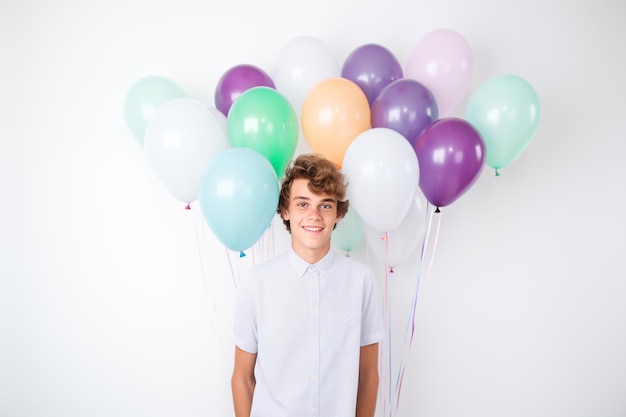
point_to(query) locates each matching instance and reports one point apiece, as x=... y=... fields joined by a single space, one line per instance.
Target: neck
x=311 y=256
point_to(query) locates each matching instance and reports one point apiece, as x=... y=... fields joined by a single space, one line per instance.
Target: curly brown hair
x=324 y=178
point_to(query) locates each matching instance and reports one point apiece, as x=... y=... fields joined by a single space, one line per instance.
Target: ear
x=284 y=214
x=337 y=221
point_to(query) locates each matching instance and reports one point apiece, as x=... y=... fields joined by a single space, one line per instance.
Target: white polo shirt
x=307 y=323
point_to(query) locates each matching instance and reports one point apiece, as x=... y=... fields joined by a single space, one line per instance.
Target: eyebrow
x=327 y=199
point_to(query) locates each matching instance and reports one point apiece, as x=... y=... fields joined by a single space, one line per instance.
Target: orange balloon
x=334 y=113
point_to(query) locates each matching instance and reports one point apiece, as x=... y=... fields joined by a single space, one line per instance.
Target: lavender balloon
x=371 y=67
x=237 y=80
x=406 y=106
x=451 y=155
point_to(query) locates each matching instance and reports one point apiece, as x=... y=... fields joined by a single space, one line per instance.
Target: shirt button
x=314 y=377
x=314 y=410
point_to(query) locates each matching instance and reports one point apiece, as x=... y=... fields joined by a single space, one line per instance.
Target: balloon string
x=385 y=385
x=386 y=378
x=256 y=249
x=389 y=348
x=211 y=299
x=268 y=244
x=432 y=255
x=408 y=340
x=265 y=247
x=232 y=271
x=410 y=325
x=272 y=235
x=399 y=388
x=202 y=271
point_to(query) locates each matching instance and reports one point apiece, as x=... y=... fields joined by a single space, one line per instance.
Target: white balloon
x=402 y=242
x=301 y=64
x=220 y=118
x=181 y=139
x=383 y=174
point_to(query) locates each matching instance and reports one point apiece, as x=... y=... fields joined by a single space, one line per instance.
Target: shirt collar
x=301 y=266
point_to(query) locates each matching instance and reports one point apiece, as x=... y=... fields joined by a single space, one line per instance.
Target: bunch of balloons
x=388 y=127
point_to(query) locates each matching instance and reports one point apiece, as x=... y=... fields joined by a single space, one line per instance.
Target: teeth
x=313 y=229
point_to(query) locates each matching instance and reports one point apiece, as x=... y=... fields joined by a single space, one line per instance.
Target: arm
x=368 y=381
x=243 y=382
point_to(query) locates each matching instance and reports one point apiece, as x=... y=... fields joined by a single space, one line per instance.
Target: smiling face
x=312 y=218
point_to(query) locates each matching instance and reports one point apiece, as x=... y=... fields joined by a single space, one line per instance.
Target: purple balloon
x=406 y=106
x=237 y=80
x=371 y=67
x=451 y=155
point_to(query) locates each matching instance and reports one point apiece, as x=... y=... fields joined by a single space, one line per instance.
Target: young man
x=308 y=322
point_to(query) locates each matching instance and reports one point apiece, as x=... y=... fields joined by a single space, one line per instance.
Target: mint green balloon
x=349 y=232
x=505 y=110
x=263 y=120
x=144 y=98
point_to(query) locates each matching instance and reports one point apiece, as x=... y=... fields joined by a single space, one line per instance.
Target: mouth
x=313 y=228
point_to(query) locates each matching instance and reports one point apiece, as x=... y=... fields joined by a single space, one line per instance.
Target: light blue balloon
x=239 y=197
x=144 y=98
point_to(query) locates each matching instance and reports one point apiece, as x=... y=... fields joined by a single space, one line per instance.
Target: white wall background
x=115 y=301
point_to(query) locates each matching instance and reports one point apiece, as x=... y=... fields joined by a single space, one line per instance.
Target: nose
x=314 y=213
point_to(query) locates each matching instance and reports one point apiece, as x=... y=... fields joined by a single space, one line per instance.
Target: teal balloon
x=349 y=232
x=238 y=197
x=263 y=120
x=505 y=110
x=143 y=99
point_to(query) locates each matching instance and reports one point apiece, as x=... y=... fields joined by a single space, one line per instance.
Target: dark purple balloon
x=405 y=106
x=237 y=80
x=371 y=67
x=451 y=155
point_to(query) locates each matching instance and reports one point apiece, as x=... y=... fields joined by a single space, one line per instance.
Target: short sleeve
x=372 y=328
x=245 y=318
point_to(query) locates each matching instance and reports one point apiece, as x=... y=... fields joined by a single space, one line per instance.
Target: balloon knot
x=242 y=255
x=497 y=173
x=391 y=270
x=437 y=210
x=347 y=254
x=188 y=207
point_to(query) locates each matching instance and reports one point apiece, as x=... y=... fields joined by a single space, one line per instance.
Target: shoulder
x=265 y=270
x=277 y=262
x=352 y=266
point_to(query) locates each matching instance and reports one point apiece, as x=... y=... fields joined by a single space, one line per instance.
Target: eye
x=301 y=204
x=326 y=206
